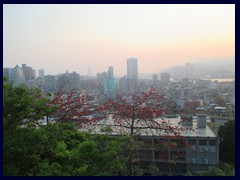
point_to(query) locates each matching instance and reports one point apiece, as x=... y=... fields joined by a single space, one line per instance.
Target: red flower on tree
x=72 y=106
x=138 y=114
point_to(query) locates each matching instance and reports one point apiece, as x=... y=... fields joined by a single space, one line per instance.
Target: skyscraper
x=16 y=75
x=29 y=72
x=109 y=84
x=110 y=72
x=41 y=73
x=49 y=83
x=132 y=68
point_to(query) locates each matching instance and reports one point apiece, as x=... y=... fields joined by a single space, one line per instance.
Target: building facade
x=195 y=149
x=109 y=84
x=49 y=83
x=132 y=68
x=16 y=75
x=41 y=73
x=29 y=72
x=110 y=72
x=165 y=78
x=68 y=82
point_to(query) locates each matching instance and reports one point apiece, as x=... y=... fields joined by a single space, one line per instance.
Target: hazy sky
x=75 y=37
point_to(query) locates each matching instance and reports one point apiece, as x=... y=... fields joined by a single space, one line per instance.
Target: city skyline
x=57 y=38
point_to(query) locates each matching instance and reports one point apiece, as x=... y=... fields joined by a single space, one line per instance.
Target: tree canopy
x=54 y=149
x=60 y=150
x=223 y=170
x=226 y=136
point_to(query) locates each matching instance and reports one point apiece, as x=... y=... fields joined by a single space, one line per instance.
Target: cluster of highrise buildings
x=105 y=82
x=22 y=75
x=216 y=99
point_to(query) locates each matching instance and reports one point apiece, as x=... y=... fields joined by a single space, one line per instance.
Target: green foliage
x=226 y=136
x=54 y=169
x=154 y=170
x=22 y=105
x=223 y=170
x=54 y=149
x=50 y=151
x=100 y=155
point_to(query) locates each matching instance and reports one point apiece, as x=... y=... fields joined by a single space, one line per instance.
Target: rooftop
x=185 y=130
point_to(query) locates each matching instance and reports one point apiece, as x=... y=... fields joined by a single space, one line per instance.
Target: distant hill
x=222 y=73
x=224 y=67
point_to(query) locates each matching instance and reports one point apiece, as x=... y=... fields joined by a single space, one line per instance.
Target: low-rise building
x=195 y=149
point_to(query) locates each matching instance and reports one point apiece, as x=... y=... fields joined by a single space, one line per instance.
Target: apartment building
x=195 y=149
x=173 y=156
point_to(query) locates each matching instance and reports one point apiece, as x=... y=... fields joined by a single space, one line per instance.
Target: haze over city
x=119 y=90
x=75 y=37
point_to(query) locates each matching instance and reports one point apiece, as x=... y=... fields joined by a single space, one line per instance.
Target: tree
x=70 y=107
x=22 y=106
x=226 y=136
x=54 y=149
x=100 y=155
x=136 y=114
x=223 y=170
x=60 y=150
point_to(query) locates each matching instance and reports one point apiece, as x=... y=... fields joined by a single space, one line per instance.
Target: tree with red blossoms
x=139 y=114
x=70 y=107
x=133 y=114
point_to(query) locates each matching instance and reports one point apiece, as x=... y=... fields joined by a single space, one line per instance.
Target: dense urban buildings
x=68 y=82
x=165 y=78
x=16 y=75
x=49 y=83
x=210 y=103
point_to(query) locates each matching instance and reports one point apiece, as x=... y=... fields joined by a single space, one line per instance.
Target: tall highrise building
x=109 y=87
x=28 y=72
x=41 y=73
x=123 y=85
x=68 y=82
x=50 y=83
x=110 y=72
x=74 y=79
x=102 y=76
x=24 y=69
x=109 y=84
x=16 y=75
x=6 y=72
x=132 y=68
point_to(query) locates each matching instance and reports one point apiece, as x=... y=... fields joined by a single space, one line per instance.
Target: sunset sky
x=75 y=37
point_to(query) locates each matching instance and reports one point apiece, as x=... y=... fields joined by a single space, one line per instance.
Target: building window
x=202 y=142
x=212 y=143
x=192 y=142
x=194 y=160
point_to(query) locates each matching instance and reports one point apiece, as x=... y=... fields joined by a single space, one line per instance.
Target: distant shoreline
x=219 y=79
